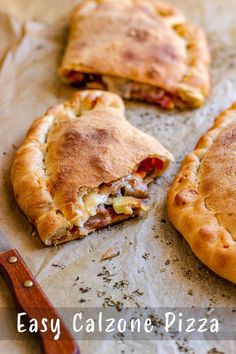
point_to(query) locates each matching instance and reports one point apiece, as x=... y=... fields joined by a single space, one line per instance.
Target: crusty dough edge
x=27 y=171
x=194 y=88
x=187 y=210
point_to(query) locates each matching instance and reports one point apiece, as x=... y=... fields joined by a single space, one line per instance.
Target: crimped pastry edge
x=28 y=171
x=194 y=87
x=187 y=210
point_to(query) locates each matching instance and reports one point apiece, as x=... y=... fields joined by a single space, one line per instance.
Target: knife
x=32 y=300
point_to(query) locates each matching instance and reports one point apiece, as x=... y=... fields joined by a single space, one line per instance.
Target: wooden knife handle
x=33 y=301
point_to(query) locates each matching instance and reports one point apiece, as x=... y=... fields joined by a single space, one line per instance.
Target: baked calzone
x=82 y=166
x=140 y=49
x=201 y=202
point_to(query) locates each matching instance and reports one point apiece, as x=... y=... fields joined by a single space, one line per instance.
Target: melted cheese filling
x=109 y=195
x=126 y=88
x=136 y=90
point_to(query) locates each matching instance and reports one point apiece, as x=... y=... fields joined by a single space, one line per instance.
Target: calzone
x=140 y=49
x=83 y=166
x=201 y=202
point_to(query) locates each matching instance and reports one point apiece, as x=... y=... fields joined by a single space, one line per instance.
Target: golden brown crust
x=201 y=201
x=143 y=41
x=74 y=148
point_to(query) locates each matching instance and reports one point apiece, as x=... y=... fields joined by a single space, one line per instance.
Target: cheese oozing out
x=125 y=196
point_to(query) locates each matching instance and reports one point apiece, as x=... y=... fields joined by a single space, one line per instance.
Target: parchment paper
x=153 y=256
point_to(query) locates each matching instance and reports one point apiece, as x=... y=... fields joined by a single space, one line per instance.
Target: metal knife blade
x=4 y=244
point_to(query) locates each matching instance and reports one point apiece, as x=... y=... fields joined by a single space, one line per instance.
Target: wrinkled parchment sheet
x=153 y=256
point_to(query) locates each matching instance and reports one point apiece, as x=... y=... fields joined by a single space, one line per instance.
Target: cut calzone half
x=82 y=167
x=202 y=200
x=140 y=49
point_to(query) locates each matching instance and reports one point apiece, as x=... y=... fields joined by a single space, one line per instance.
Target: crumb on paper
x=214 y=351
x=100 y=293
x=188 y=273
x=210 y=310
x=183 y=346
x=84 y=290
x=145 y=255
x=61 y=266
x=106 y=274
x=110 y=253
x=190 y=292
x=123 y=283
x=214 y=300
x=109 y=302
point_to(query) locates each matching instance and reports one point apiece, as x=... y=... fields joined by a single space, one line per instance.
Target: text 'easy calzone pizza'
x=82 y=166
x=140 y=49
x=201 y=202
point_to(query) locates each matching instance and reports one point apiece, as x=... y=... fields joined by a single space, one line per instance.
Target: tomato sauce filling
x=126 y=88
